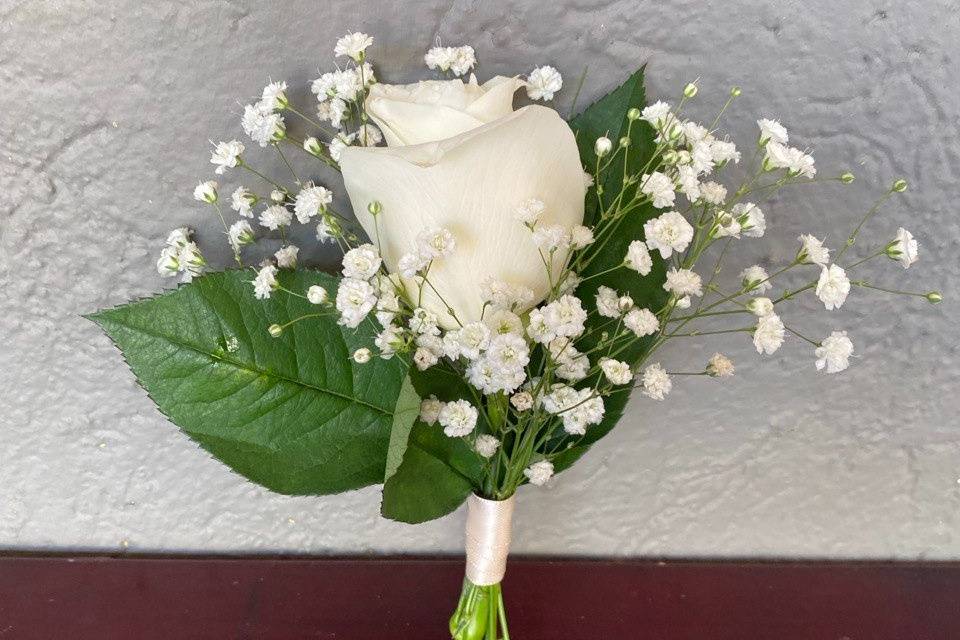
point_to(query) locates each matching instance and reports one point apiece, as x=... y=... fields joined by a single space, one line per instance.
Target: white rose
x=433 y=110
x=471 y=184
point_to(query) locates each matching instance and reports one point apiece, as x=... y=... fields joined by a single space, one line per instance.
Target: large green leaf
x=437 y=472
x=293 y=413
x=607 y=117
x=436 y=476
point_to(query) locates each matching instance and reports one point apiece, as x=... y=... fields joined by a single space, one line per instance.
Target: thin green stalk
x=502 y=613
x=873 y=255
x=310 y=120
x=869 y=214
x=801 y=336
x=708 y=314
x=694 y=334
x=283 y=157
x=899 y=292
x=246 y=166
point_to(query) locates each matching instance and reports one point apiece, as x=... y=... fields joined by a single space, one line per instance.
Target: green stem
x=710 y=313
x=853 y=236
x=873 y=255
x=261 y=176
x=491 y=613
x=307 y=316
x=312 y=121
x=283 y=157
x=789 y=294
x=899 y=292
x=801 y=336
x=502 y=613
x=694 y=334
x=601 y=273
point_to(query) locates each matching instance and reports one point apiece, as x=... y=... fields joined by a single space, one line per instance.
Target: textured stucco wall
x=104 y=120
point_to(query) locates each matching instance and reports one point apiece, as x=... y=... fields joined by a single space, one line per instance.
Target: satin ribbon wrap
x=488 y=539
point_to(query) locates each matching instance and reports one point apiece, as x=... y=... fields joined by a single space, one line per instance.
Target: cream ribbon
x=488 y=539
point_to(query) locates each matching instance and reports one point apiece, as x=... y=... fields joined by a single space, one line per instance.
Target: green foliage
x=436 y=476
x=437 y=473
x=292 y=413
x=608 y=117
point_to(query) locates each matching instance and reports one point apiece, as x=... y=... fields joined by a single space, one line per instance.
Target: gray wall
x=105 y=114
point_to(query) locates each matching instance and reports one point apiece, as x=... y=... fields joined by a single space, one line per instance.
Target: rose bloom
x=460 y=158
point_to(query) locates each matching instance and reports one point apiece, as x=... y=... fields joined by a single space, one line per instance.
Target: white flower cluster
x=337 y=90
x=543 y=82
x=226 y=155
x=181 y=255
x=261 y=120
x=432 y=244
x=455 y=60
x=773 y=137
x=494 y=353
x=340 y=96
x=458 y=419
x=358 y=291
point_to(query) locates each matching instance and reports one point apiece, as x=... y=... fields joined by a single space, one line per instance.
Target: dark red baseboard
x=146 y=598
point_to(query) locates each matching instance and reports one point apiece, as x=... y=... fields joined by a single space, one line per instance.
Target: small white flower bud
x=522 y=401
x=934 y=297
x=275 y=330
x=602 y=146
x=539 y=472
x=735 y=92
x=486 y=445
x=279 y=131
x=760 y=307
x=168 y=264
x=847 y=178
x=317 y=294
x=312 y=146
x=633 y=114
x=624 y=142
x=726 y=225
x=375 y=207
x=624 y=304
x=690 y=90
x=899 y=186
x=719 y=366
x=430 y=410
x=278 y=196
x=206 y=192
x=361 y=355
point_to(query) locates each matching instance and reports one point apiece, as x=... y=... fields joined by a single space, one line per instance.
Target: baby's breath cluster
x=181 y=255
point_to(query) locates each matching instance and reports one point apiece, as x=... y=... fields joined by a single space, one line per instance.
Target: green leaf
x=436 y=476
x=404 y=415
x=437 y=472
x=607 y=116
x=293 y=413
